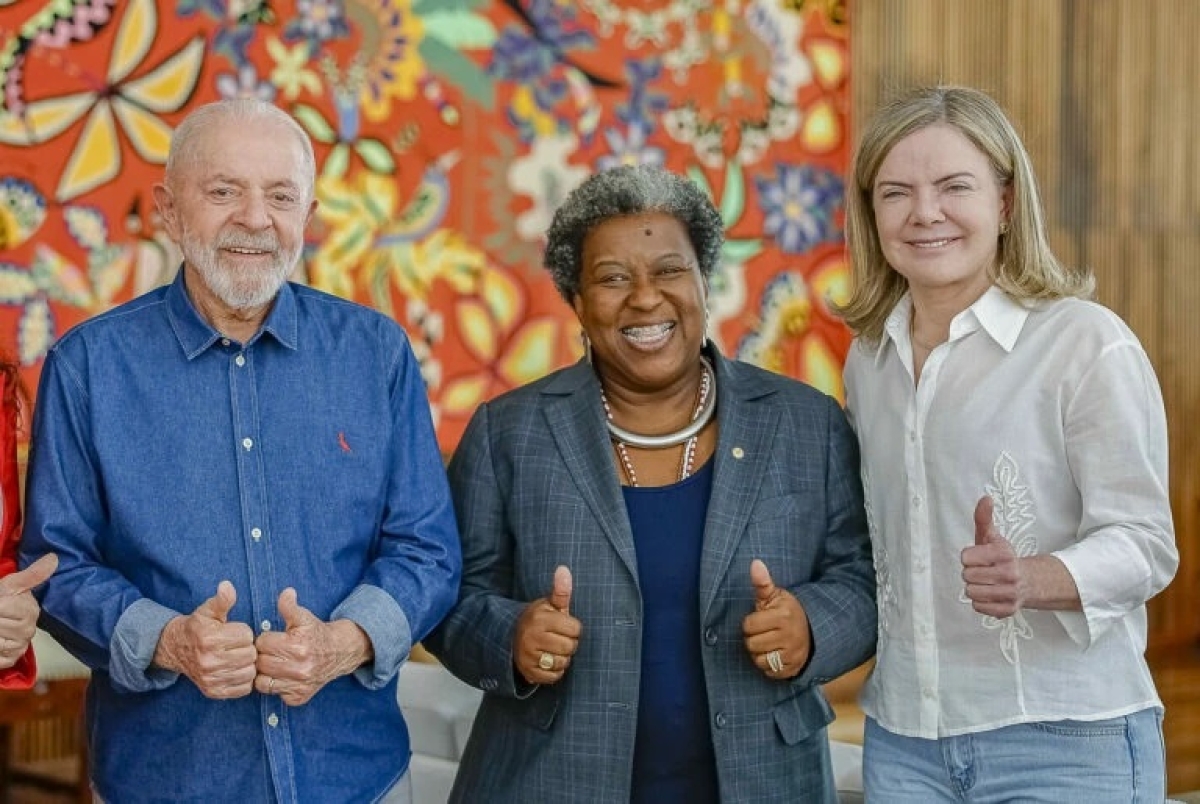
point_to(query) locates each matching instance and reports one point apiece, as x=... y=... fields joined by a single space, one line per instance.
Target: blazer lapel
x=571 y=405
x=744 y=444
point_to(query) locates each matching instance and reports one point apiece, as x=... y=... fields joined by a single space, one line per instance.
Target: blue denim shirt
x=166 y=458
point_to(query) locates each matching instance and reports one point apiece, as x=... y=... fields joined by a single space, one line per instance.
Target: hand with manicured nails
x=546 y=628
x=309 y=653
x=217 y=655
x=18 y=609
x=991 y=569
x=778 y=623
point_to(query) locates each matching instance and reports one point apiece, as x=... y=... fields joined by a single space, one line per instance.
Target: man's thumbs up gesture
x=776 y=633
x=18 y=609
x=217 y=655
x=547 y=636
x=309 y=653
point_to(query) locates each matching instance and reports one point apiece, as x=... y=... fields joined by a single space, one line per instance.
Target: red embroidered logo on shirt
x=343 y=443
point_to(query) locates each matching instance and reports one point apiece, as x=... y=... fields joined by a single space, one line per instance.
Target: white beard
x=237 y=288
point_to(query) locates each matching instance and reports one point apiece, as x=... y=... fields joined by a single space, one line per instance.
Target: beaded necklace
x=689 y=435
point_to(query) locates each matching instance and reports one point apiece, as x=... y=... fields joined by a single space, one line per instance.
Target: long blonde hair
x=1026 y=267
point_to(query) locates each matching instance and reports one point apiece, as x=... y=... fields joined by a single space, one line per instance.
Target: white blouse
x=1052 y=409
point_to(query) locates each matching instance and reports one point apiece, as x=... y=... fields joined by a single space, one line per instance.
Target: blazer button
x=720 y=720
x=710 y=636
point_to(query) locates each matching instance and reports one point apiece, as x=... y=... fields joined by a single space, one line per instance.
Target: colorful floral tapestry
x=446 y=132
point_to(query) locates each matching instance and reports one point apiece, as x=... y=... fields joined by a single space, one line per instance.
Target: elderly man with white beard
x=240 y=478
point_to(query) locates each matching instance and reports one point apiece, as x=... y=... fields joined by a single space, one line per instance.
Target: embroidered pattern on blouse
x=1013 y=516
x=885 y=594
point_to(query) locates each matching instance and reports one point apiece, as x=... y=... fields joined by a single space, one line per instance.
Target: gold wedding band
x=546 y=661
x=775 y=661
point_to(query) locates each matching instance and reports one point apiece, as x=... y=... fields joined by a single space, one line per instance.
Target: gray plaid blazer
x=535 y=485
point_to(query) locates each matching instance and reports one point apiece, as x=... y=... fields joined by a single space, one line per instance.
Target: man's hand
x=777 y=635
x=217 y=655
x=547 y=636
x=308 y=654
x=18 y=609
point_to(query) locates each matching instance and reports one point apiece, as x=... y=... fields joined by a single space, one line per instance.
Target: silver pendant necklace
x=706 y=405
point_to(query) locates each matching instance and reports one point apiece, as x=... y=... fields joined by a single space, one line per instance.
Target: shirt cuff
x=385 y=624
x=131 y=649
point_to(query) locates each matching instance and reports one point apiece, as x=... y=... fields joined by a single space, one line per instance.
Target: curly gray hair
x=629 y=190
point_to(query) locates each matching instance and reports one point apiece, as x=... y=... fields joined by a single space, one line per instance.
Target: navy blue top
x=673 y=757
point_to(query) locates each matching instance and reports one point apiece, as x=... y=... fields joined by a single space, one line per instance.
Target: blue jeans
x=1121 y=759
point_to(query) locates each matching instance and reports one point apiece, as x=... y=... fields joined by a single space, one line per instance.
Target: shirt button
x=928 y=693
x=247 y=443
x=266 y=625
x=224 y=341
x=720 y=720
x=240 y=360
x=273 y=720
x=916 y=501
x=710 y=636
x=255 y=533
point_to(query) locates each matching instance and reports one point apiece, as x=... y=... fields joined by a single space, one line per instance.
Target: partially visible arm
x=1116 y=437
x=840 y=601
x=84 y=601
x=20 y=675
x=413 y=580
x=475 y=641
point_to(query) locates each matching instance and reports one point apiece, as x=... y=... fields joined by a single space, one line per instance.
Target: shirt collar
x=195 y=335
x=995 y=312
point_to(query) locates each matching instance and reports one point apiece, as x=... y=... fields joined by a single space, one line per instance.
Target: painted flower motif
x=544 y=176
x=372 y=238
x=796 y=335
x=52 y=279
x=393 y=66
x=510 y=346
x=780 y=31
x=245 y=84
x=799 y=206
x=317 y=21
x=291 y=73
x=630 y=148
x=128 y=99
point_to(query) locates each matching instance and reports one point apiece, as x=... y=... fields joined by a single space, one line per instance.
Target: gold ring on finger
x=546 y=661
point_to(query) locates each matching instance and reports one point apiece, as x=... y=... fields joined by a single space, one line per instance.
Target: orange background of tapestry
x=446 y=133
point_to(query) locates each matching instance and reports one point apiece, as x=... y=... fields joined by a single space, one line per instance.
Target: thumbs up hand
x=547 y=636
x=217 y=655
x=777 y=634
x=18 y=609
x=992 y=571
x=309 y=653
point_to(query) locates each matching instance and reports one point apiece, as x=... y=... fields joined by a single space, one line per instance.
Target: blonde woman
x=1014 y=457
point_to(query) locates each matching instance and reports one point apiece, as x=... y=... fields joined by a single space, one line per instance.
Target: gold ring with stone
x=546 y=661
x=775 y=661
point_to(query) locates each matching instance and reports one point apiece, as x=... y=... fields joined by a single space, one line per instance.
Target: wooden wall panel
x=1104 y=94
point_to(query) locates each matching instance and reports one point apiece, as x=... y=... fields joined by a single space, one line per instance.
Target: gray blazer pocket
x=537 y=711
x=778 y=507
x=802 y=715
